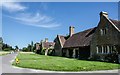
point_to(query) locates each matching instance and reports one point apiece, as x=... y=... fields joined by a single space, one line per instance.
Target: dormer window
x=103 y=31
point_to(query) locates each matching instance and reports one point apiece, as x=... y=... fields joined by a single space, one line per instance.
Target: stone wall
x=109 y=39
x=57 y=47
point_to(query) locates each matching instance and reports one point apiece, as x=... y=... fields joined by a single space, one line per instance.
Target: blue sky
x=23 y=22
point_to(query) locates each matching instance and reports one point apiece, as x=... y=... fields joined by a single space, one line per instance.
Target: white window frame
x=103 y=31
x=102 y=49
x=108 y=49
x=97 y=49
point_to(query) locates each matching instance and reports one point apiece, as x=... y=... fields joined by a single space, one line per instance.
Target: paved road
x=8 y=68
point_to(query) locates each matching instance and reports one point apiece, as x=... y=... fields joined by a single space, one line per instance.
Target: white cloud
x=38 y=20
x=12 y=6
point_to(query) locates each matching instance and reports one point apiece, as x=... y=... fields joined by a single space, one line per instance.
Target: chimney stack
x=46 y=39
x=102 y=13
x=41 y=41
x=71 y=30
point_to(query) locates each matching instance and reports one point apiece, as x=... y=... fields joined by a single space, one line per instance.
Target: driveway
x=8 y=68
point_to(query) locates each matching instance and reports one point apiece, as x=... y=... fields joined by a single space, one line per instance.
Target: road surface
x=8 y=68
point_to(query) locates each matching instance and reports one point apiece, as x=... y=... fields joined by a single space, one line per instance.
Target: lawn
x=4 y=52
x=53 y=63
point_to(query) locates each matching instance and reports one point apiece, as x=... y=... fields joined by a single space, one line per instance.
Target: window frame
x=107 y=49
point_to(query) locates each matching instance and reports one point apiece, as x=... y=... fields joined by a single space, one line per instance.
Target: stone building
x=99 y=43
x=78 y=45
x=105 y=43
x=44 y=45
x=60 y=40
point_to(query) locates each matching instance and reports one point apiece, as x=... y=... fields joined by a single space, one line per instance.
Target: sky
x=23 y=22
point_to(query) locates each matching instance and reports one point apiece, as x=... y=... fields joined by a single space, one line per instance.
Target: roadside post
x=17 y=61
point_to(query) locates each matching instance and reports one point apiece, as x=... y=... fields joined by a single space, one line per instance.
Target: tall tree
x=32 y=46
x=17 y=48
x=24 y=49
x=29 y=47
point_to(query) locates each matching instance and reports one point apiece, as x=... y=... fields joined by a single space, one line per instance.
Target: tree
x=32 y=46
x=6 y=47
x=29 y=47
x=25 y=49
x=16 y=48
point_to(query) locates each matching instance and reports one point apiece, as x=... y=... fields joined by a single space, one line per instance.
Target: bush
x=42 y=51
x=50 y=52
x=24 y=49
x=112 y=57
x=7 y=49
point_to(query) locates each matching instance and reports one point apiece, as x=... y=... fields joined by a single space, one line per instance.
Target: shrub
x=7 y=49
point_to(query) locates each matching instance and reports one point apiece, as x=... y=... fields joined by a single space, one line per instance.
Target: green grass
x=60 y=63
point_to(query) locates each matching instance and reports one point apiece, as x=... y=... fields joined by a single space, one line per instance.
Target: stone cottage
x=60 y=40
x=99 y=43
x=105 y=43
x=78 y=45
x=45 y=46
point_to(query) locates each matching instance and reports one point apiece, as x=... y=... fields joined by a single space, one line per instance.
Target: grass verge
x=54 y=63
x=4 y=53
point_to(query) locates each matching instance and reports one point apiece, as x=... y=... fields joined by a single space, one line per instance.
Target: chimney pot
x=102 y=13
x=46 y=39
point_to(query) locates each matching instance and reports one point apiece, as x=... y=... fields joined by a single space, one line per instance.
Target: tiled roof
x=61 y=39
x=117 y=23
x=48 y=44
x=80 y=39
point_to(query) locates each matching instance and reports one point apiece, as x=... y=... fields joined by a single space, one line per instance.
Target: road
x=8 y=68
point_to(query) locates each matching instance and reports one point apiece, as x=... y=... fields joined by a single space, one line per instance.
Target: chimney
x=102 y=13
x=46 y=39
x=71 y=30
x=41 y=41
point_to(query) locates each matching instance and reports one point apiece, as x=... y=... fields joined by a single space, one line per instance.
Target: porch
x=78 y=52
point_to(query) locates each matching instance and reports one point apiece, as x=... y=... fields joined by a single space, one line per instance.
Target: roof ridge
x=114 y=25
x=114 y=20
x=60 y=40
x=61 y=35
x=84 y=30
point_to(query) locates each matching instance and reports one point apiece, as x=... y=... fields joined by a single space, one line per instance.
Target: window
x=111 y=49
x=99 y=49
x=105 y=51
x=108 y=49
x=103 y=31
